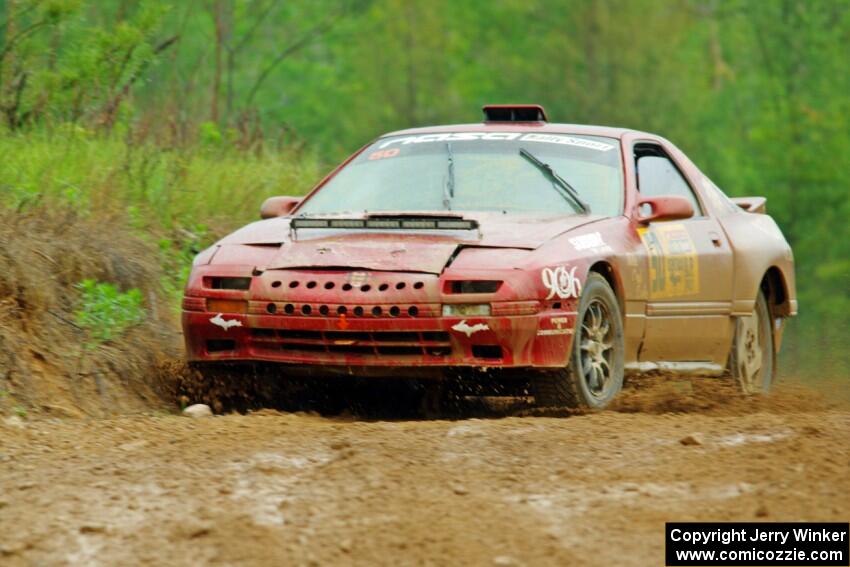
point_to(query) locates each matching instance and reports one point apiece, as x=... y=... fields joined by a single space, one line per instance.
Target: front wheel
x=595 y=372
x=753 y=356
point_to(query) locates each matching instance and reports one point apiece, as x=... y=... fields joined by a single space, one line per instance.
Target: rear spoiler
x=752 y=204
x=426 y=223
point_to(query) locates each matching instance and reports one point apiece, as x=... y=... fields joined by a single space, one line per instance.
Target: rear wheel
x=595 y=372
x=753 y=358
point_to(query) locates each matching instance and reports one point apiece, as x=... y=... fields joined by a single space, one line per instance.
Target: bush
x=105 y=312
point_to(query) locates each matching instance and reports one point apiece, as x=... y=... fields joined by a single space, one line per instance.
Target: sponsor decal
x=560 y=329
x=225 y=324
x=470 y=330
x=548 y=332
x=561 y=282
x=381 y=154
x=568 y=141
x=673 y=260
x=636 y=272
x=491 y=136
x=592 y=241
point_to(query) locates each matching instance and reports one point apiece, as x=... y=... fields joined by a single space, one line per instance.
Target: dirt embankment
x=45 y=367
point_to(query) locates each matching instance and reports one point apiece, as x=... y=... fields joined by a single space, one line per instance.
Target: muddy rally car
x=565 y=254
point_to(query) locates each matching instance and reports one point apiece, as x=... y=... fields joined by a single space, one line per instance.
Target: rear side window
x=717 y=197
x=657 y=176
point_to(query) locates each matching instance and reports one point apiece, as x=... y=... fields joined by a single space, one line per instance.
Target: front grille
x=361 y=343
x=386 y=311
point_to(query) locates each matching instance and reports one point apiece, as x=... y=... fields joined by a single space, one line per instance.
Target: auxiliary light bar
x=438 y=224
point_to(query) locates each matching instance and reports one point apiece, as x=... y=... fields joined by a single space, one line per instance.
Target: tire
x=594 y=375
x=752 y=361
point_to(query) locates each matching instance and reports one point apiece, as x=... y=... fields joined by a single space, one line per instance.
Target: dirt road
x=273 y=488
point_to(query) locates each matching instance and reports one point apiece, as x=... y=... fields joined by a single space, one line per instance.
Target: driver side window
x=657 y=175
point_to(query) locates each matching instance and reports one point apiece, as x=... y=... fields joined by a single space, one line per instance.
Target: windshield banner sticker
x=561 y=282
x=505 y=136
x=673 y=261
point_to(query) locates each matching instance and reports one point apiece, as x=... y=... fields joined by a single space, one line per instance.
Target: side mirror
x=669 y=207
x=278 y=206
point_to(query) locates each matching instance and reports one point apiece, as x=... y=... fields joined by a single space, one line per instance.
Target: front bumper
x=507 y=341
x=324 y=321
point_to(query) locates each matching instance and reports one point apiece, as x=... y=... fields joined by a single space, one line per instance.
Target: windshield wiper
x=449 y=188
x=566 y=188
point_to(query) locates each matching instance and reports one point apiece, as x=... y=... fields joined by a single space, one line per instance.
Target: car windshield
x=476 y=171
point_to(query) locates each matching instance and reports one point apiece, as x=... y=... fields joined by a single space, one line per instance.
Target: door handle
x=715 y=239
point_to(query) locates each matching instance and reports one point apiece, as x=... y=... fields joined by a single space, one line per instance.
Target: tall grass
x=158 y=189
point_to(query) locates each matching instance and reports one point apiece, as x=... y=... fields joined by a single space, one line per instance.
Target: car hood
x=403 y=250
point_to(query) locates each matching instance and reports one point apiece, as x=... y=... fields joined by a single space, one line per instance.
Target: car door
x=689 y=264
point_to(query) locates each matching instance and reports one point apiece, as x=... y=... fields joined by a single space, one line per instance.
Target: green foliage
x=56 y=65
x=105 y=312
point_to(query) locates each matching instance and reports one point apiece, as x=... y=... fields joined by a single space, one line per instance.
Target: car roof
x=545 y=127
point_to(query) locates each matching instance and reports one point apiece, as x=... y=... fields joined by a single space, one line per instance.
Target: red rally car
x=571 y=253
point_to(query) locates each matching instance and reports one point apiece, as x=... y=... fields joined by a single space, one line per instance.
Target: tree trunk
x=218 y=21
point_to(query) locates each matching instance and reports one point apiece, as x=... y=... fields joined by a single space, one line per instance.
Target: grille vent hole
x=487 y=351
x=227 y=283
x=220 y=345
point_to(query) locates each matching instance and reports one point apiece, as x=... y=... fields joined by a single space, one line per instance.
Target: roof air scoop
x=514 y=113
